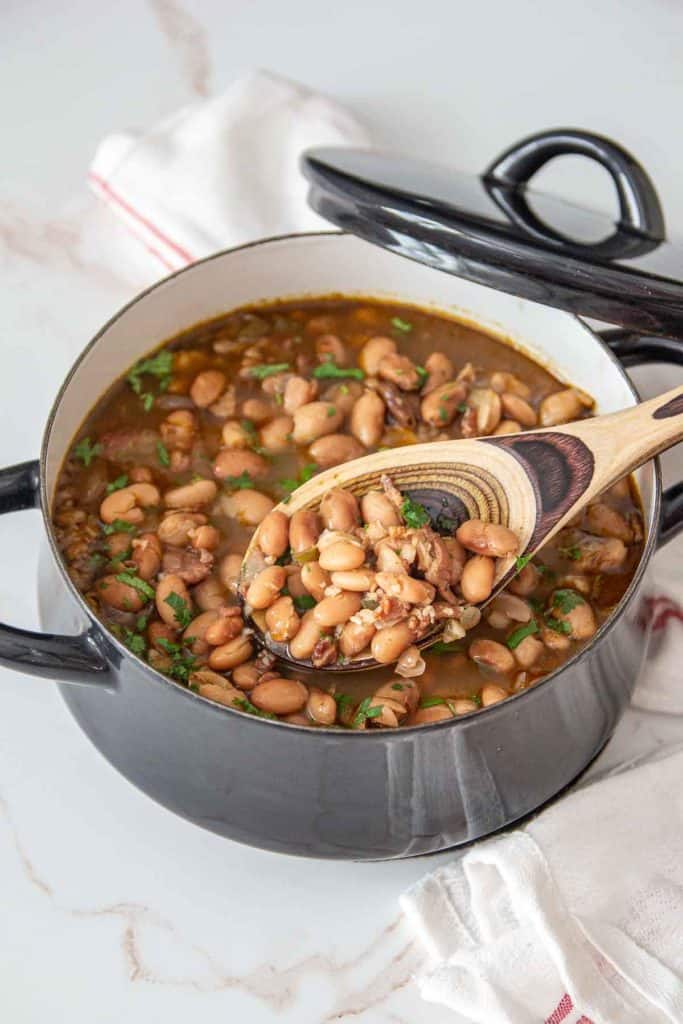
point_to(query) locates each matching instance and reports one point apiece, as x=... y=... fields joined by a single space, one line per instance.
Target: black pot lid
x=495 y=230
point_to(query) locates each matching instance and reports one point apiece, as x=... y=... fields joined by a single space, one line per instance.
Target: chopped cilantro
x=183 y=615
x=162 y=454
x=304 y=602
x=328 y=370
x=521 y=561
x=573 y=552
x=517 y=635
x=279 y=398
x=414 y=514
x=401 y=325
x=245 y=705
x=566 y=600
x=147 y=401
x=422 y=374
x=369 y=602
x=117 y=484
x=397 y=686
x=267 y=370
x=249 y=427
x=545 y=570
x=461 y=407
x=159 y=366
x=557 y=625
x=344 y=702
x=86 y=451
x=96 y=560
x=343 y=389
x=290 y=484
x=119 y=526
x=142 y=587
x=475 y=698
x=331 y=411
x=444 y=647
x=284 y=559
x=364 y=712
x=536 y=604
x=141 y=622
x=443 y=413
x=134 y=642
x=182 y=664
x=433 y=702
x=238 y=483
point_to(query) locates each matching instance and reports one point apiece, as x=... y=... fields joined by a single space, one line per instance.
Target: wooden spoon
x=534 y=483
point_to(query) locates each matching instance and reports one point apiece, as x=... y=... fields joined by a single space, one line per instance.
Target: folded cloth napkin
x=221 y=171
x=578 y=918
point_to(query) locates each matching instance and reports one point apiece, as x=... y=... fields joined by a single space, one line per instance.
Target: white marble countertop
x=113 y=909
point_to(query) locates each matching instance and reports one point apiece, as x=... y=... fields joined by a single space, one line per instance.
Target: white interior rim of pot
x=652 y=512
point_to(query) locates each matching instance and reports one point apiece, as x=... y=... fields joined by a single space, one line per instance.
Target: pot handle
x=636 y=350
x=64 y=658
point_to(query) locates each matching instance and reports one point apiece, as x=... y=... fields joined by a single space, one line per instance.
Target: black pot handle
x=636 y=350
x=641 y=221
x=64 y=658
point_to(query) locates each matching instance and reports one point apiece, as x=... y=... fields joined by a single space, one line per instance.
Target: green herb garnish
x=159 y=366
x=331 y=411
x=141 y=586
x=364 y=712
x=182 y=664
x=573 y=552
x=401 y=325
x=446 y=647
x=433 y=702
x=369 y=602
x=566 y=600
x=304 y=602
x=422 y=374
x=557 y=625
x=397 y=686
x=461 y=407
x=521 y=561
x=344 y=701
x=267 y=370
x=545 y=570
x=328 y=370
x=119 y=526
x=289 y=484
x=516 y=637
x=86 y=451
x=414 y=514
x=134 y=642
x=183 y=615
x=238 y=483
x=147 y=401
x=117 y=484
x=162 y=454
x=245 y=705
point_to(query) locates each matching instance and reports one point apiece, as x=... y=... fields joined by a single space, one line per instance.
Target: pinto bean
x=563 y=406
x=334 y=449
x=334 y=611
x=304 y=530
x=293 y=583
x=171 y=584
x=388 y=644
x=518 y=409
x=490 y=539
x=234 y=462
x=273 y=534
x=209 y=594
x=221 y=693
x=507 y=427
x=513 y=607
x=502 y=381
x=377 y=508
x=257 y=410
x=436 y=713
x=190 y=496
x=119 y=595
x=265 y=588
x=492 y=694
x=439 y=371
x=342 y=556
x=406 y=588
x=399 y=370
x=157 y=631
x=275 y=435
x=315 y=579
x=339 y=510
x=178 y=430
x=357 y=580
x=195 y=635
x=175 y=527
x=528 y=651
x=373 y=352
x=367 y=419
x=525 y=582
x=355 y=637
x=246 y=675
x=476 y=581
x=599 y=554
x=147 y=555
x=328 y=347
x=314 y=420
x=492 y=655
x=282 y=620
x=247 y=506
x=229 y=655
x=440 y=407
x=604 y=521
x=207 y=387
x=234 y=435
x=298 y=391
x=321 y=707
x=229 y=570
x=487 y=406
x=205 y=538
x=227 y=626
x=140 y=475
x=553 y=640
x=343 y=395
x=301 y=646
x=128 y=503
x=280 y=696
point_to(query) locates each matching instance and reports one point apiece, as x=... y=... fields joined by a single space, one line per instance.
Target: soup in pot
x=188 y=454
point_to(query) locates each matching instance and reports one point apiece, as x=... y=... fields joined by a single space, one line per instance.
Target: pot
x=321 y=792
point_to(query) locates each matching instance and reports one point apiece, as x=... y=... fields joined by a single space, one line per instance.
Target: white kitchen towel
x=660 y=687
x=577 y=918
x=220 y=171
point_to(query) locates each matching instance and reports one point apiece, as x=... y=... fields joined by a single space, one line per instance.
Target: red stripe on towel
x=561 y=1011
x=120 y=201
x=584 y=1020
x=658 y=611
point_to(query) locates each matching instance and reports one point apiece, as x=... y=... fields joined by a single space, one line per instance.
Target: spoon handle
x=620 y=442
